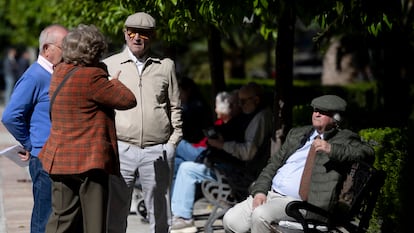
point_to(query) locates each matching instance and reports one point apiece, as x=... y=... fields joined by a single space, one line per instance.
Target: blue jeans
x=42 y=196
x=189 y=174
x=185 y=151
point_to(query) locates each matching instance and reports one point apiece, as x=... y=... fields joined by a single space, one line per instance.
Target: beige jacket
x=157 y=117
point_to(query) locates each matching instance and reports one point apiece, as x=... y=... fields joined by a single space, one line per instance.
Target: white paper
x=13 y=154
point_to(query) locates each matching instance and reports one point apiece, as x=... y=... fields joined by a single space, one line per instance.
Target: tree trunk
x=269 y=69
x=238 y=63
x=282 y=105
x=215 y=56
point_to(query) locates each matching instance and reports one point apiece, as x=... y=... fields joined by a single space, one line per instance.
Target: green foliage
x=179 y=20
x=24 y=20
x=390 y=146
x=109 y=16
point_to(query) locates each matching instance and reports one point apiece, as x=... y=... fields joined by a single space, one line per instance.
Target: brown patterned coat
x=83 y=135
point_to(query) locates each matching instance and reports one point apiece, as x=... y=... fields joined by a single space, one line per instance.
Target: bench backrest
x=356 y=202
x=358 y=197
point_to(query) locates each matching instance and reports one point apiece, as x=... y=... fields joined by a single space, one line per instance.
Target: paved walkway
x=16 y=195
x=15 y=191
x=16 y=199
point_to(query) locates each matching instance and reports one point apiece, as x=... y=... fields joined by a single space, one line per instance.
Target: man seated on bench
x=251 y=130
x=281 y=181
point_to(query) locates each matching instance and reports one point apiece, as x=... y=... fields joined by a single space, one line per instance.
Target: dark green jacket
x=329 y=169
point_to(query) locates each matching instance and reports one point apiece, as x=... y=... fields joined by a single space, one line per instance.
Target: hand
x=24 y=156
x=322 y=146
x=116 y=76
x=259 y=199
x=217 y=143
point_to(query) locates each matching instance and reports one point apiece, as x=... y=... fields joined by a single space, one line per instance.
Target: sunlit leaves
x=178 y=19
x=386 y=21
x=374 y=28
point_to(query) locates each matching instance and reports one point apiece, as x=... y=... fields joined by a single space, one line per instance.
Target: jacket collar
x=126 y=57
x=330 y=133
x=326 y=135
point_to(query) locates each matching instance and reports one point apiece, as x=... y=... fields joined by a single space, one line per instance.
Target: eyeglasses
x=141 y=34
x=57 y=46
x=245 y=100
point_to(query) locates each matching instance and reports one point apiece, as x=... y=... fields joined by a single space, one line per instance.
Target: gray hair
x=223 y=102
x=84 y=45
x=50 y=35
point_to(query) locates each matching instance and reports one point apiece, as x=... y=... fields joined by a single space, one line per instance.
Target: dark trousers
x=79 y=203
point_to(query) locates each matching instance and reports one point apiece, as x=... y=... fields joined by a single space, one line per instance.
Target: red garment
x=203 y=142
x=83 y=135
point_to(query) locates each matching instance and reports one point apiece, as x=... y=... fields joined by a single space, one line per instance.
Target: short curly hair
x=223 y=102
x=84 y=45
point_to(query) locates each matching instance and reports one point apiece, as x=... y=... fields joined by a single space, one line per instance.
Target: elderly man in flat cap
x=147 y=134
x=283 y=179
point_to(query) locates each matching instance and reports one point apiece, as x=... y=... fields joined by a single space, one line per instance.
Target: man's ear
x=126 y=37
x=45 y=46
x=337 y=117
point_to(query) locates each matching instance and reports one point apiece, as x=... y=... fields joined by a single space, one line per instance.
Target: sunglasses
x=141 y=34
x=326 y=113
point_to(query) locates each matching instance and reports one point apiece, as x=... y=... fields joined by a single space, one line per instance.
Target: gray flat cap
x=329 y=103
x=140 y=20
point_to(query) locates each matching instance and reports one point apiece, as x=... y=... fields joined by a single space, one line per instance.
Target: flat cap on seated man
x=329 y=103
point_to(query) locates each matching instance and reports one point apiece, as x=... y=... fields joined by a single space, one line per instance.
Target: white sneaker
x=180 y=225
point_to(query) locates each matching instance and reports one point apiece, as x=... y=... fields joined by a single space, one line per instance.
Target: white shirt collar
x=43 y=62
x=138 y=63
x=133 y=58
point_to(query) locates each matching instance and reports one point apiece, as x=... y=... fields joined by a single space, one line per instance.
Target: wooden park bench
x=352 y=213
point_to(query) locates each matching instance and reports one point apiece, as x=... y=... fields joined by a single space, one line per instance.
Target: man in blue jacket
x=26 y=117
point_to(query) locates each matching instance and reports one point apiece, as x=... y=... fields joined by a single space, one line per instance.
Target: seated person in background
x=226 y=107
x=241 y=138
x=280 y=182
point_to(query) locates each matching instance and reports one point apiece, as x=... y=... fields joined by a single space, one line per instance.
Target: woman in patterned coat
x=81 y=151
